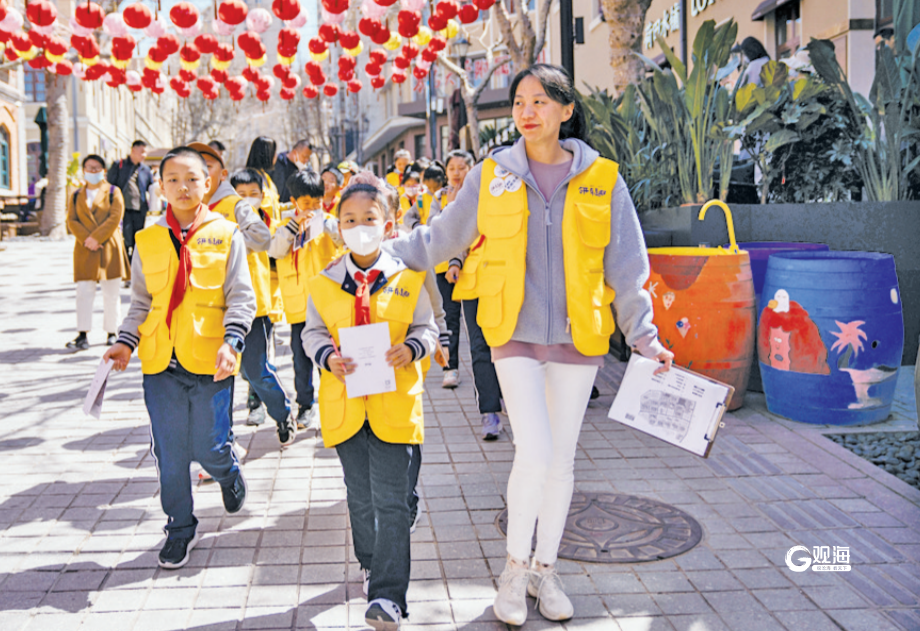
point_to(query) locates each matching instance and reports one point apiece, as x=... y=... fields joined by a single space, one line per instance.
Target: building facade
x=13 y=173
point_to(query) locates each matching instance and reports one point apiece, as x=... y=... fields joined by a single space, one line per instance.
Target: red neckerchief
x=185 y=257
x=330 y=207
x=297 y=251
x=363 y=296
x=479 y=243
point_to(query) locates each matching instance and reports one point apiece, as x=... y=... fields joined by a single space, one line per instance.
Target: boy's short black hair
x=339 y=177
x=305 y=184
x=91 y=156
x=216 y=144
x=176 y=152
x=436 y=173
x=138 y=143
x=247 y=175
x=413 y=170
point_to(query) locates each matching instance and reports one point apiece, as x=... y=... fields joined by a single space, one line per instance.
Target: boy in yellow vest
x=191 y=307
x=377 y=437
x=301 y=255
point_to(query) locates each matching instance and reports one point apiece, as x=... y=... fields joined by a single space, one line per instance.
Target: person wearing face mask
x=300 y=255
x=93 y=215
x=377 y=437
x=332 y=184
x=289 y=163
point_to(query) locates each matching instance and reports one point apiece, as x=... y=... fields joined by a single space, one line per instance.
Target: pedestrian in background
x=133 y=178
x=93 y=215
x=289 y=163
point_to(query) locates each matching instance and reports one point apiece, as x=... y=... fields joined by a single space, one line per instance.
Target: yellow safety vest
x=395 y=417
x=394 y=178
x=465 y=289
x=423 y=210
x=259 y=268
x=197 y=330
x=502 y=219
x=312 y=259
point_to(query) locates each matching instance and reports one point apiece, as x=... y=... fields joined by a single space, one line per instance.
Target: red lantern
x=263 y=95
x=429 y=55
x=206 y=84
x=310 y=92
x=354 y=86
x=168 y=43
x=187 y=76
x=468 y=14
x=382 y=36
x=318 y=79
x=329 y=33
x=410 y=51
x=21 y=42
x=157 y=54
x=41 y=62
x=372 y=69
x=220 y=76
x=184 y=15
x=378 y=57
x=291 y=82
x=136 y=87
x=287 y=95
x=378 y=82
x=235 y=84
x=347 y=63
x=190 y=53
x=288 y=39
x=86 y=46
x=249 y=42
x=286 y=9
x=281 y=71
x=484 y=5
x=256 y=53
x=57 y=46
x=38 y=39
x=330 y=89
x=437 y=44
x=263 y=84
x=335 y=6
x=89 y=15
x=41 y=13
x=317 y=46
x=447 y=9
x=232 y=12
x=346 y=75
x=401 y=62
x=237 y=96
x=312 y=68
x=251 y=74
x=408 y=30
x=419 y=73
x=224 y=52
x=385 y=3
x=349 y=39
x=95 y=72
x=11 y=54
x=64 y=68
x=206 y=43
x=398 y=77
x=437 y=23
x=137 y=16
x=369 y=27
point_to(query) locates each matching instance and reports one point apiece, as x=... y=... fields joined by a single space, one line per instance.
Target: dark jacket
x=120 y=172
x=284 y=168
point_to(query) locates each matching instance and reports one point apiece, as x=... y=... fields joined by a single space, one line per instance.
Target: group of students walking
x=539 y=240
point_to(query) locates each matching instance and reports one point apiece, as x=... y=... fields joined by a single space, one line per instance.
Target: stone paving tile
x=78 y=543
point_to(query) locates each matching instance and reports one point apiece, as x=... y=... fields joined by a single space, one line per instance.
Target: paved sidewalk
x=80 y=518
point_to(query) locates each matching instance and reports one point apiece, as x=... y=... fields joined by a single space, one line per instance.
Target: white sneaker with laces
x=383 y=615
x=510 y=604
x=546 y=586
x=367 y=581
x=451 y=379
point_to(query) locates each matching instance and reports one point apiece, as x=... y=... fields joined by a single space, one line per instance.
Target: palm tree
x=625 y=18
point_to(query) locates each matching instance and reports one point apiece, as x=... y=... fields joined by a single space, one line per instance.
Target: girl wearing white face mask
x=93 y=215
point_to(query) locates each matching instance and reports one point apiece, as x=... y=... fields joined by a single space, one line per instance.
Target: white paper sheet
x=367 y=345
x=92 y=405
x=679 y=406
x=317 y=225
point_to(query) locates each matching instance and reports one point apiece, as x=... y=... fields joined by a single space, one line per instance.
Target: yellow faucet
x=733 y=245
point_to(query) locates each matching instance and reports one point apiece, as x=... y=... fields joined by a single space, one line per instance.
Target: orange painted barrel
x=704 y=310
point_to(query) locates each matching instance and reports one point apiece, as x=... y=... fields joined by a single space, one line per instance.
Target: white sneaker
x=367 y=581
x=451 y=379
x=510 y=604
x=546 y=586
x=383 y=615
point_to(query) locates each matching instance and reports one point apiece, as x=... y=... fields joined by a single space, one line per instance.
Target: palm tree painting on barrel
x=850 y=342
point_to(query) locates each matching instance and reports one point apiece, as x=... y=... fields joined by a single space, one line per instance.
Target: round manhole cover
x=612 y=528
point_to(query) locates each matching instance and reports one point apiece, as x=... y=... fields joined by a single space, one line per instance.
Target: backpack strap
x=77 y=192
x=111 y=193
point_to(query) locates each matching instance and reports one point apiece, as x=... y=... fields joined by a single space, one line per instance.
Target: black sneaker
x=383 y=615
x=235 y=494
x=287 y=429
x=595 y=393
x=80 y=343
x=306 y=417
x=176 y=551
x=111 y=339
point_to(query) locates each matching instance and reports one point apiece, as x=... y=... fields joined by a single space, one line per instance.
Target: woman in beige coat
x=93 y=215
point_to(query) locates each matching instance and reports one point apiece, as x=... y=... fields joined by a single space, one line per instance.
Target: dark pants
x=190 y=419
x=132 y=223
x=488 y=392
x=414 y=469
x=452 y=312
x=303 y=368
x=377 y=478
x=260 y=373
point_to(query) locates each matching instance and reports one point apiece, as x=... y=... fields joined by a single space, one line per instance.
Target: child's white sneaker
x=383 y=615
x=367 y=582
x=510 y=604
x=546 y=586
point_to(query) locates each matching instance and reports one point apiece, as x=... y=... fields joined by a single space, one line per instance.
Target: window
x=420 y=149
x=34 y=84
x=884 y=13
x=4 y=158
x=788 y=30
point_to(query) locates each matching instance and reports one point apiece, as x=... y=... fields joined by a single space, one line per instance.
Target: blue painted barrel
x=760 y=252
x=830 y=334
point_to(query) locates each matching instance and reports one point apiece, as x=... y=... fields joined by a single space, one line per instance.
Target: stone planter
x=890 y=227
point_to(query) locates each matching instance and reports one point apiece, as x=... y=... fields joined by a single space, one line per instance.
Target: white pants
x=111 y=303
x=546 y=404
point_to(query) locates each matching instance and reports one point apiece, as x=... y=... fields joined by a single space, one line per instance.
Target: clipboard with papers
x=680 y=407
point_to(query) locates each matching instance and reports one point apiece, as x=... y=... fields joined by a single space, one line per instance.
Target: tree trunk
x=625 y=19
x=54 y=211
x=472 y=119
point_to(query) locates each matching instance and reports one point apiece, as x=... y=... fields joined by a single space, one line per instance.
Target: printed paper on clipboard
x=679 y=407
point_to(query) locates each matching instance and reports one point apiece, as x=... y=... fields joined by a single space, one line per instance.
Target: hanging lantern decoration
x=484 y=5
x=372 y=10
x=378 y=82
x=157 y=28
x=259 y=20
x=429 y=55
x=137 y=16
x=310 y=92
x=223 y=54
x=452 y=29
x=12 y=22
x=419 y=73
x=372 y=69
x=222 y=28
x=114 y=25
x=318 y=49
x=95 y=72
x=56 y=49
x=187 y=75
x=437 y=44
x=10 y=53
x=398 y=76
x=335 y=7
x=41 y=13
x=286 y=9
x=291 y=82
x=401 y=62
x=184 y=14
x=468 y=14
x=448 y=9
x=394 y=42
x=350 y=40
x=220 y=76
x=288 y=41
x=382 y=36
x=437 y=22
x=385 y=3
x=251 y=75
x=330 y=89
x=354 y=86
x=408 y=23
x=192 y=31
x=299 y=22
x=369 y=26
x=89 y=15
x=378 y=57
x=232 y=12
x=263 y=95
x=329 y=33
x=423 y=37
x=318 y=79
x=206 y=43
x=168 y=43
x=63 y=68
x=189 y=57
x=346 y=75
x=38 y=39
x=410 y=51
x=287 y=95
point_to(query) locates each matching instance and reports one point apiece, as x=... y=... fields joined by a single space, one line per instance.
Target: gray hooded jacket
x=255 y=233
x=543 y=318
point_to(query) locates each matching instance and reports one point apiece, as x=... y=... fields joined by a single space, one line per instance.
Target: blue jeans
x=452 y=316
x=378 y=479
x=303 y=368
x=260 y=373
x=488 y=392
x=190 y=419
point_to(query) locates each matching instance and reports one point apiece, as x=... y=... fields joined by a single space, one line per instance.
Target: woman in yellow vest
x=262 y=158
x=562 y=242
